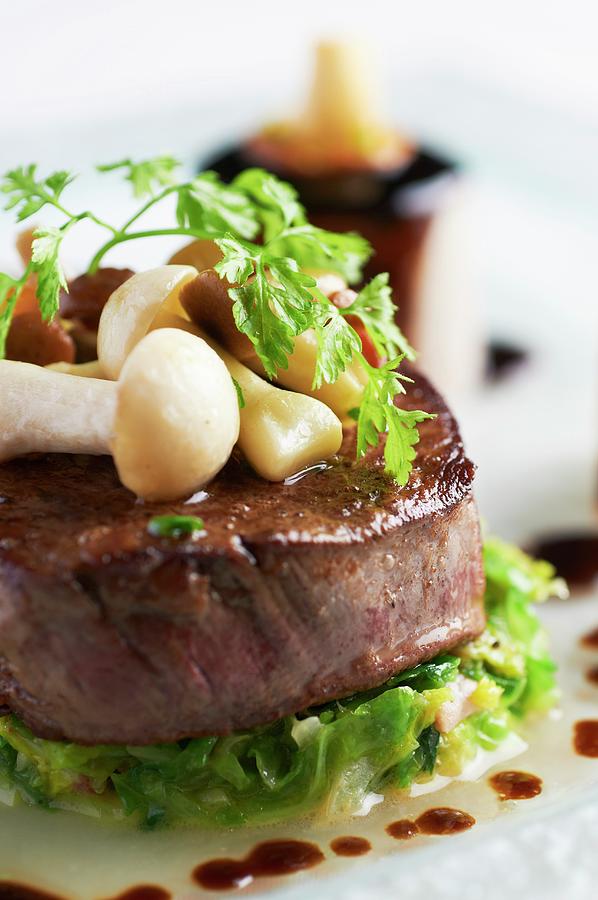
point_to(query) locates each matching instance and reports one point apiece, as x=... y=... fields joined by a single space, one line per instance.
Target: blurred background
x=507 y=92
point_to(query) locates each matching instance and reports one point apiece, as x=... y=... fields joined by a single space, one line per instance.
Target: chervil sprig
x=147 y=176
x=274 y=306
x=27 y=193
x=378 y=414
x=374 y=306
x=287 y=231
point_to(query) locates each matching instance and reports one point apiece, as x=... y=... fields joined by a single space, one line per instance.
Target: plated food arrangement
x=242 y=579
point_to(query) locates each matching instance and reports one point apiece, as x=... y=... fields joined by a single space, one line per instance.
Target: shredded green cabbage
x=326 y=760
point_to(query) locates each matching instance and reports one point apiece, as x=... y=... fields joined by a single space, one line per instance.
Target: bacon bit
x=454 y=711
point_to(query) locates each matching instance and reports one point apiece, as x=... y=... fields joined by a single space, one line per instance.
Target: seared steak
x=296 y=594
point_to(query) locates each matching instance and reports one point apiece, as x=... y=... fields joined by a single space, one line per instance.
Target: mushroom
x=202 y=254
x=24 y=244
x=281 y=432
x=35 y=341
x=128 y=314
x=207 y=303
x=170 y=421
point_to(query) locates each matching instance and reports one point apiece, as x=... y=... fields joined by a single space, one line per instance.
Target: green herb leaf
x=276 y=201
x=429 y=740
x=209 y=205
x=175 y=526
x=46 y=264
x=316 y=249
x=8 y=297
x=292 y=293
x=272 y=308
x=28 y=194
x=376 y=310
x=271 y=337
x=378 y=414
x=148 y=176
x=238 y=261
x=240 y=396
x=337 y=343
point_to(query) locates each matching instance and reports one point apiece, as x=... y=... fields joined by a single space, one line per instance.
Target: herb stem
x=171 y=189
x=121 y=237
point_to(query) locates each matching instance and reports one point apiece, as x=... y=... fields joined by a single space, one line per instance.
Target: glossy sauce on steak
x=296 y=594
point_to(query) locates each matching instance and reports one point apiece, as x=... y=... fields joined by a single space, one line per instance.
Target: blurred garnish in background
x=356 y=171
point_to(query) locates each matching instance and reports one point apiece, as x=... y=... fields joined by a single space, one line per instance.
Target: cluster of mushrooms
x=161 y=396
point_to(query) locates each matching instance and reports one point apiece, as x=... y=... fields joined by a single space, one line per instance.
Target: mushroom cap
x=128 y=314
x=201 y=253
x=206 y=301
x=177 y=416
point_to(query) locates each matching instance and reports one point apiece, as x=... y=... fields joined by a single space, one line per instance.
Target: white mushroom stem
x=170 y=421
x=201 y=254
x=344 y=395
x=280 y=432
x=50 y=412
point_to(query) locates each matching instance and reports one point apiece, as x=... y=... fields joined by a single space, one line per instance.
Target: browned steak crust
x=296 y=594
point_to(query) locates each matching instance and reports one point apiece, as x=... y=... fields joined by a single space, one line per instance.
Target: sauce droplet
x=350 y=846
x=144 y=892
x=266 y=860
x=11 y=890
x=592 y=675
x=585 y=738
x=444 y=820
x=516 y=785
x=402 y=829
x=574 y=556
x=441 y=820
x=502 y=359
x=590 y=639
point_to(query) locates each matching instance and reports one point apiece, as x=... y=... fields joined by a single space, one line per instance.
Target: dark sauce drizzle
x=444 y=820
x=585 y=738
x=268 y=859
x=516 y=785
x=350 y=846
x=144 y=892
x=402 y=829
x=574 y=556
x=438 y=821
x=592 y=675
x=11 y=890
